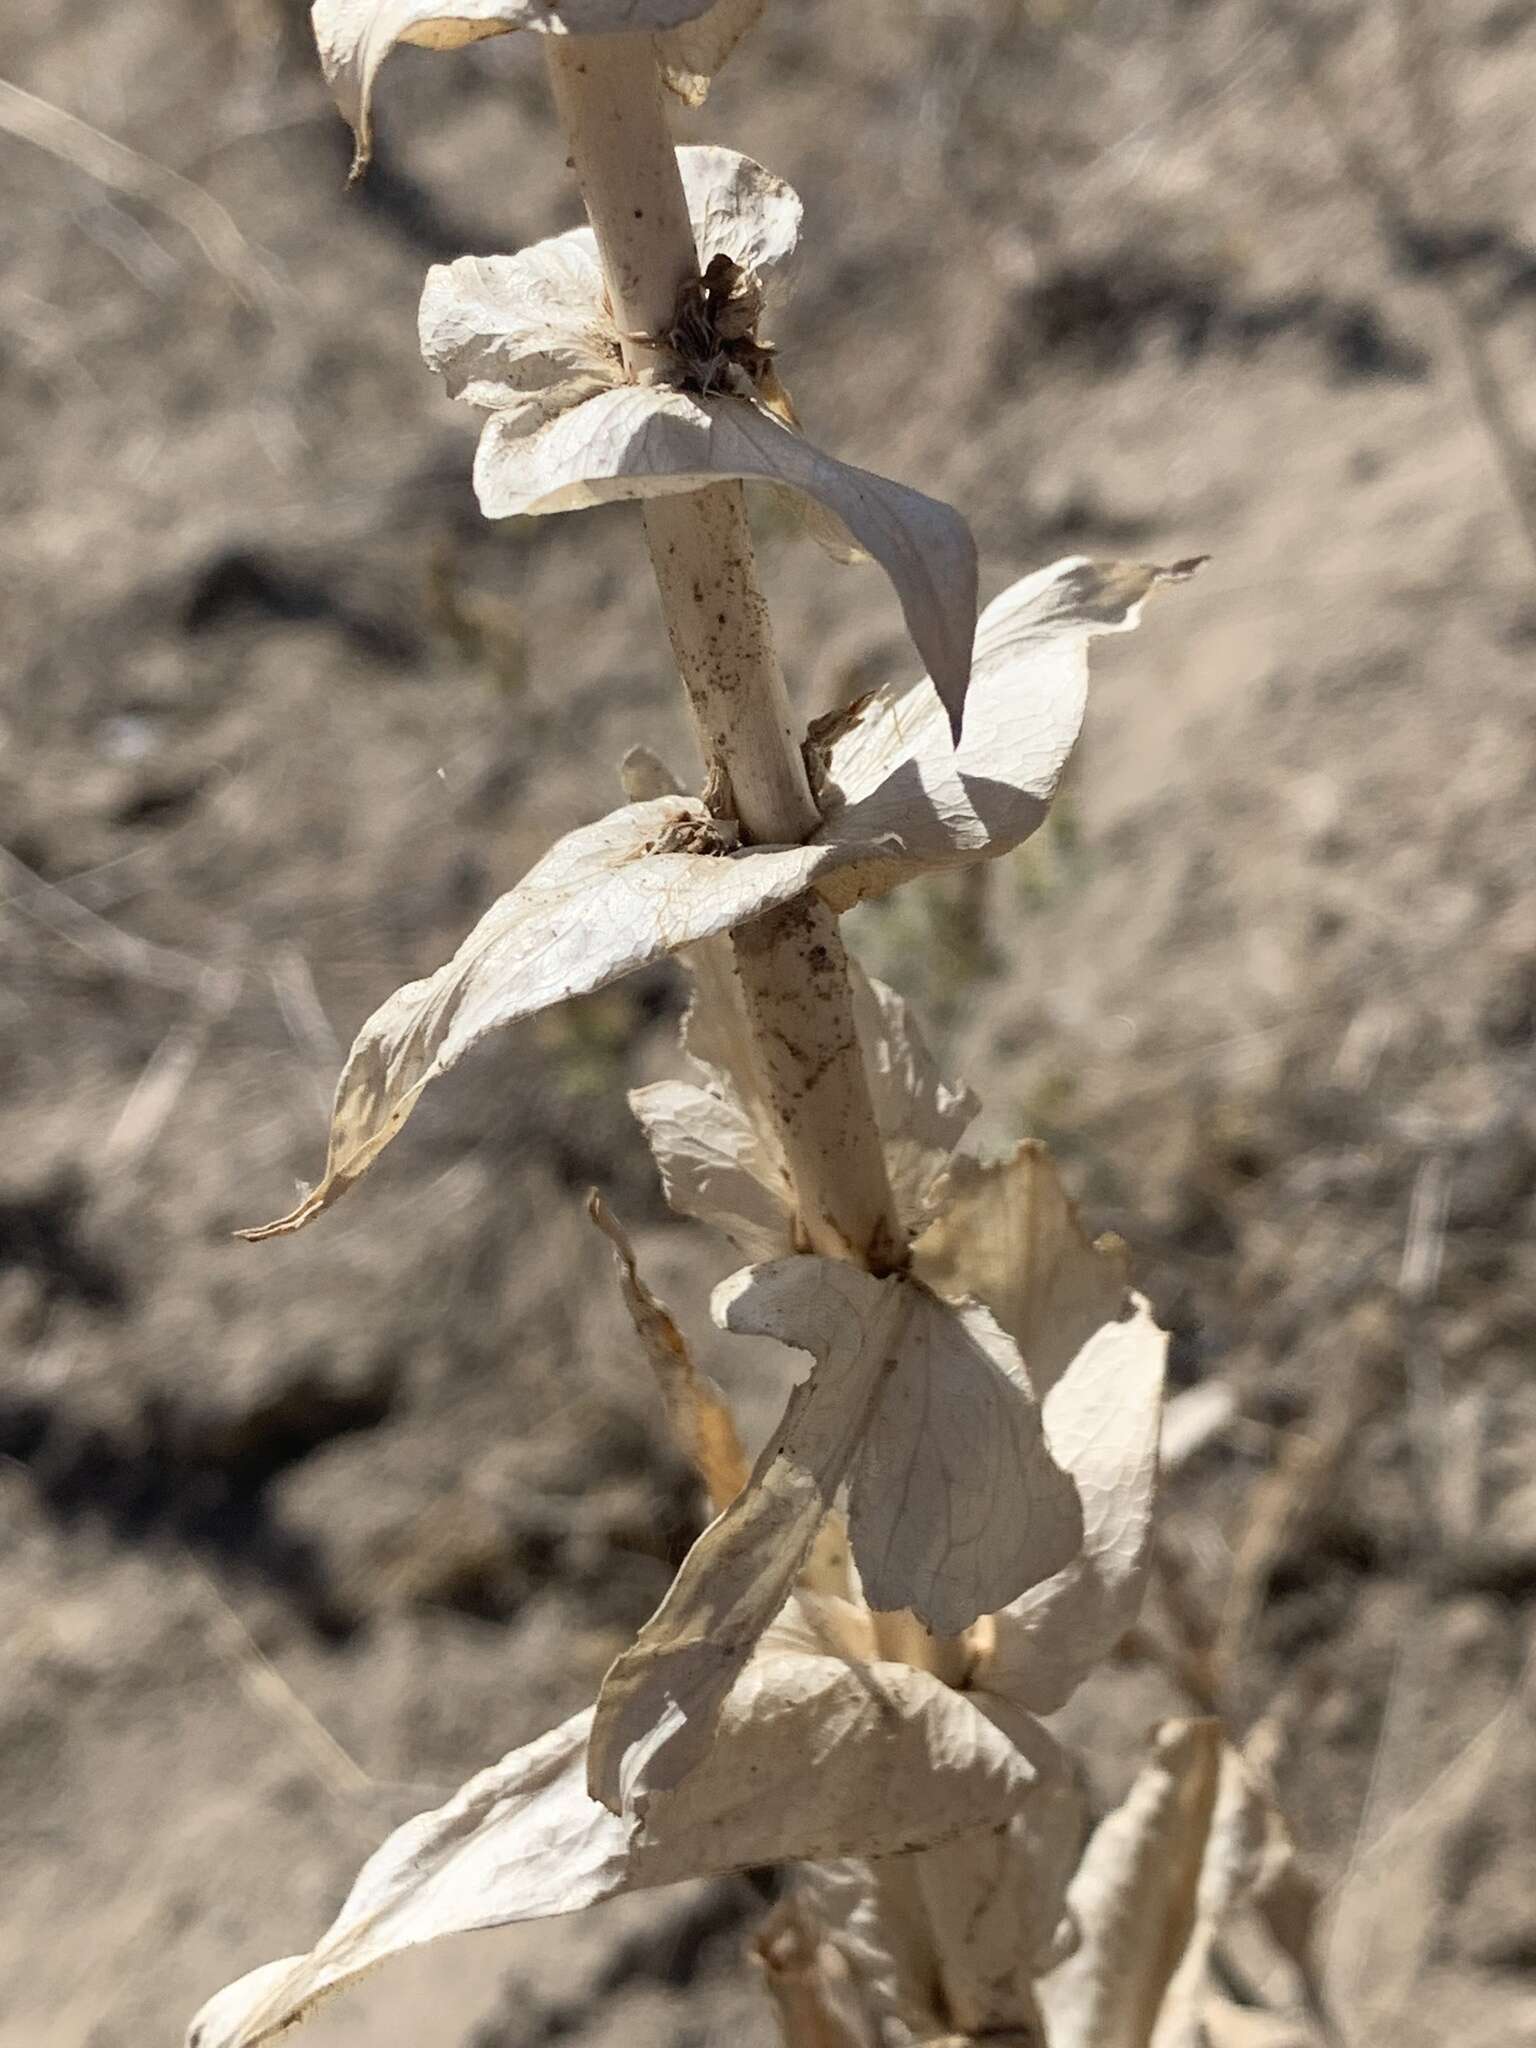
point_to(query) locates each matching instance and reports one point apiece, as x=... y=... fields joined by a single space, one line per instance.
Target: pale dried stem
x=793 y=969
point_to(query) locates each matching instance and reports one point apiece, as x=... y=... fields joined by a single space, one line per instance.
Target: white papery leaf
x=738 y=209
x=921 y=1117
x=532 y=334
x=956 y=1431
x=717 y=1166
x=875 y=1954
x=893 y=772
x=1008 y=1236
x=604 y=901
x=948 y=1941
x=993 y=1902
x=926 y=1411
x=1101 y=1422
x=524 y=331
x=556 y=442
x=813 y=1757
x=714 y=1143
x=651 y=441
x=1193 y=1837
x=355 y=36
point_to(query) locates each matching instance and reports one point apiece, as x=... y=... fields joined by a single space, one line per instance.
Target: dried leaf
x=921 y=1117
x=717 y=1165
x=894 y=774
x=701 y=1422
x=812 y=1758
x=657 y=1710
x=957 y=1430
x=603 y=902
x=925 y=1408
x=355 y=36
x=1008 y=1236
x=531 y=335
x=1157 y=1880
x=644 y=776
x=737 y=208
x=527 y=333
x=994 y=1903
x=557 y=441
x=948 y=1941
x=641 y=442
x=714 y=1142
x=875 y=1949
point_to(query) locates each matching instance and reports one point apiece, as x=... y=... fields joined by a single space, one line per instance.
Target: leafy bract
x=813 y=1757
x=355 y=36
x=713 y=1140
x=1009 y=1237
x=1193 y=1838
x=923 y=1409
x=892 y=774
x=530 y=339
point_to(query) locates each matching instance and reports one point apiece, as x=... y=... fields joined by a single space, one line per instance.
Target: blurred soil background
x=296 y=1537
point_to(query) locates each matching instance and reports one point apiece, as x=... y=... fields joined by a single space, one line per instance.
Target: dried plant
x=950 y=1526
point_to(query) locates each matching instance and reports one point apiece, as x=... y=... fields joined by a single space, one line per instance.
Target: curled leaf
x=1009 y=1236
x=355 y=36
x=1193 y=1838
x=893 y=772
x=650 y=441
x=603 y=901
x=813 y=1757
x=701 y=1422
x=924 y=1409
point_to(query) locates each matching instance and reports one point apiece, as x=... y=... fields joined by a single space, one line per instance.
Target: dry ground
x=279 y=714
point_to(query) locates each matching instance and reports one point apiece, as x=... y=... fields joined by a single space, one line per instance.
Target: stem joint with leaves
x=950 y=1526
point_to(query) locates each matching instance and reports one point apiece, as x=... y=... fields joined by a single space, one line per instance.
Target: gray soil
x=296 y=1537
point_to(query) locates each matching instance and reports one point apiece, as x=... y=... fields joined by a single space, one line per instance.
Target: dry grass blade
x=106 y=943
x=244 y=268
